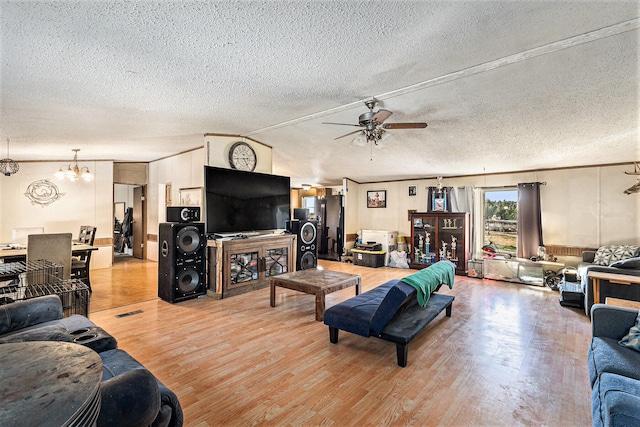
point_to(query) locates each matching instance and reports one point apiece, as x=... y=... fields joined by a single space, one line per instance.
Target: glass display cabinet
x=438 y=236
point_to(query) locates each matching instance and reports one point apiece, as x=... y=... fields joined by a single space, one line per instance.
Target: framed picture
x=439 y=204
x=191 y=197
x=413 y=190
x=377 y=199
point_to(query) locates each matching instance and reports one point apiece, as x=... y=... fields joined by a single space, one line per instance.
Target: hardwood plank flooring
x=130 y=280
x=510 y=355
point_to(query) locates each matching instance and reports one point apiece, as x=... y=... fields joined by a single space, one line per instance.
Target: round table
x=49 y=384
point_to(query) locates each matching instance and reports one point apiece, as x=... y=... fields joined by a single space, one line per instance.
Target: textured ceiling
x=504 y=85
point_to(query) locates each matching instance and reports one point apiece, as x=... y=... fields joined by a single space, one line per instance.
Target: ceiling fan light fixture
x=374 y=127
x=360 y=140
x=382 y=139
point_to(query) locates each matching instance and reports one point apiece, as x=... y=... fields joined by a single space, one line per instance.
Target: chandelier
x=74 y=172
x=7 y=166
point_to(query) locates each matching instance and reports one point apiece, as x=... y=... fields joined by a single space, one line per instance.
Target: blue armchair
x=614 y=370
x=131 y=395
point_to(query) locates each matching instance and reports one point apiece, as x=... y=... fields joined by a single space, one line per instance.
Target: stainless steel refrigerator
x=330 y=216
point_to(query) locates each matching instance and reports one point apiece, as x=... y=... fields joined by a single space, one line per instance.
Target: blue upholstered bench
x=389 y=312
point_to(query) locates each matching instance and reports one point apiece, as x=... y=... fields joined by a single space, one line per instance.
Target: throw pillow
x=627 y=263
x=632 y=339
x=607 y=255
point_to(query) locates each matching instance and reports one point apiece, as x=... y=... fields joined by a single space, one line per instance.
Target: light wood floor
x=510 y=355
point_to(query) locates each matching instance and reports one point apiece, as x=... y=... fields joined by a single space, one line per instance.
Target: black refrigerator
x=329 y=212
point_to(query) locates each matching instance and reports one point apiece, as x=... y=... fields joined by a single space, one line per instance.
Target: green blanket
x=427 y=280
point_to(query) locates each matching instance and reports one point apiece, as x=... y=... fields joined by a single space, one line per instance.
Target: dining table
x=19 y=253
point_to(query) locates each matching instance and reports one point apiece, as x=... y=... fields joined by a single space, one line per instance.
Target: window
x=310 y=204
x=501 y=219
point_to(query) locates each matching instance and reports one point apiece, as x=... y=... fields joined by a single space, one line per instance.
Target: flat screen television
x=241 y=202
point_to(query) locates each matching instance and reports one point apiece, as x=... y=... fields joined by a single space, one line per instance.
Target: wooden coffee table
x=316 y=282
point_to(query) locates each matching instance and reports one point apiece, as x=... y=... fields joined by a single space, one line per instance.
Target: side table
x=617 y=279
x=49 y=384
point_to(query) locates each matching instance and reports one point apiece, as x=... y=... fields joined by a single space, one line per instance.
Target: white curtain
x=462 y=200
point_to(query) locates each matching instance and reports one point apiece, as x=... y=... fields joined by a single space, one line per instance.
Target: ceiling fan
x=373 y=126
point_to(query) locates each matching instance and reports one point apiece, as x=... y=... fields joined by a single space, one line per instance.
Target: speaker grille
x=308 y=260
x=188 y=280
x=308 y=233
x=188 y=240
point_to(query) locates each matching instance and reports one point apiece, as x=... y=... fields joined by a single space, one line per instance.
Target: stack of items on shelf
x=369 y=246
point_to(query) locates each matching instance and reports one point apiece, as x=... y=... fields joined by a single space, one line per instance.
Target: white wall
x=181 y=171
x=582 y=207
x=123 y=193
x=83 y=203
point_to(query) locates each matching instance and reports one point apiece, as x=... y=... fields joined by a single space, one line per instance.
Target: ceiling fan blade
x=342 y=124
x=381 y=116
x=404 y=125
x=347 y=134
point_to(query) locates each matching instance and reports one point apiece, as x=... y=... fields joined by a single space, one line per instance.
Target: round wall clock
x=242 y=157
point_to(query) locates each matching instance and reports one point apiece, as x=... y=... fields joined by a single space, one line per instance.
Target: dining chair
x=82 y=235
x=85 y=239
x=53 y=247
x=80 y=265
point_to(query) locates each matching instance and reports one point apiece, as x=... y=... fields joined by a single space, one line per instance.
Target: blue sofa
x=41 y=319
x=131 y=395
x=394 y=311
x=614 y=370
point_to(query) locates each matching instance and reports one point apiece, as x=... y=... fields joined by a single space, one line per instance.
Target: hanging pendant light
x=73 y=171
x=7 y=166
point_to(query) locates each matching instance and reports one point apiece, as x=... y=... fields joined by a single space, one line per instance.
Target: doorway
x=129 y=221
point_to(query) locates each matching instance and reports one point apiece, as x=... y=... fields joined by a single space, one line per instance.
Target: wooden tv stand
x=245 y=264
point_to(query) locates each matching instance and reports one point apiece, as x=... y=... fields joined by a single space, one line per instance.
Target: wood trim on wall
x=131 y=173
x=103 y=241
x=496 y=173
x=226 y=135
x=560 y=250
x=152 y=237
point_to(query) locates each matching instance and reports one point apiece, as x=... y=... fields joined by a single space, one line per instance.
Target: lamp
x=360 y=140
x=7 y=166
x=306 y=187
x=377 y=136
x=74 y=172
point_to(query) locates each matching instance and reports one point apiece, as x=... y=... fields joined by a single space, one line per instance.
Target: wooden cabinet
x=438 y=236
x=243 y=265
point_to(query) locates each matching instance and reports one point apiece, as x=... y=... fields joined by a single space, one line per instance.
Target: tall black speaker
x=181 y=261
x=307 y=251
